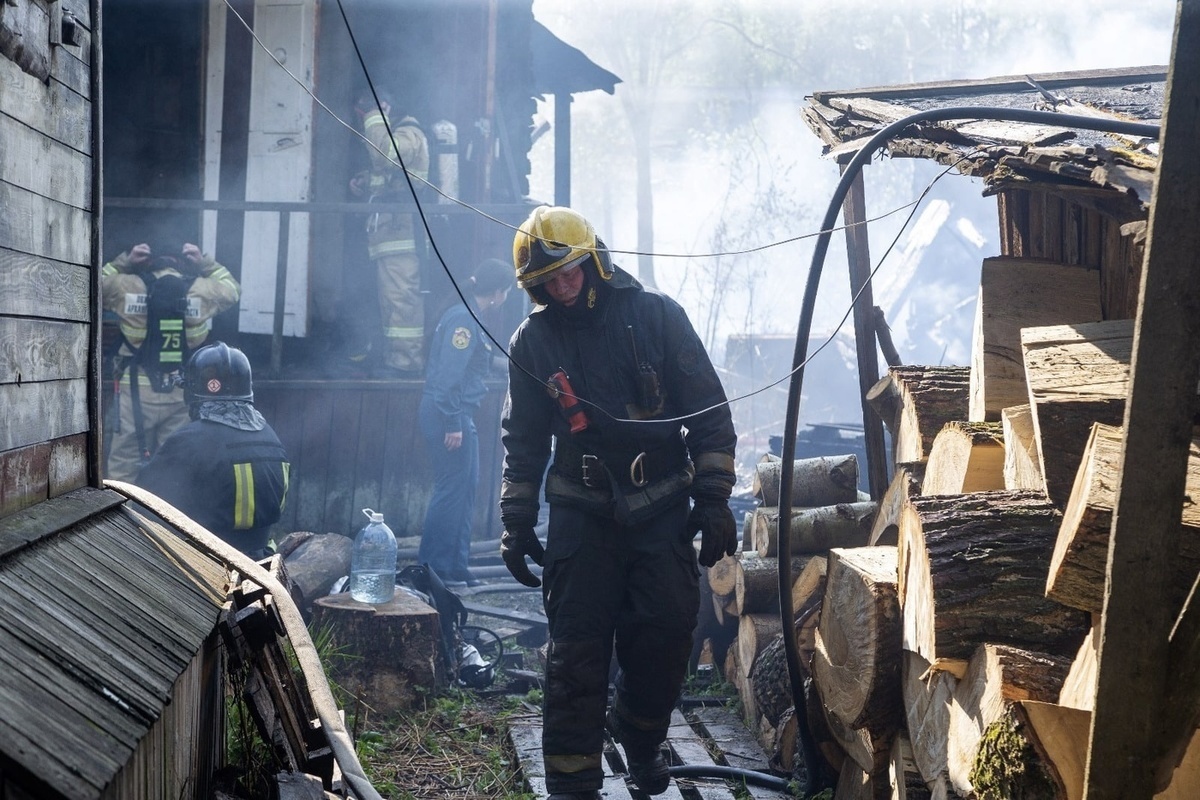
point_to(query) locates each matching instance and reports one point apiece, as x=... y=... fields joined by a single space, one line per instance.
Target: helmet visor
x=554 y=260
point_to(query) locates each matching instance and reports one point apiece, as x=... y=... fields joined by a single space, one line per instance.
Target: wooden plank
x=24 y=478
x=40 y=350
x=39 y=287
x=37 y=226
x=39 y=412
x=1132 y=677
x=53 y=109
x=526 y=739
x=689 y=750
x=368 y=486
x=345 y=420
x=70 y=64
x=312 y=481
x=35 y=162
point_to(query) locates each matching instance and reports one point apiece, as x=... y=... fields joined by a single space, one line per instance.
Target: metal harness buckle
x=637 y=471
x=588 y=463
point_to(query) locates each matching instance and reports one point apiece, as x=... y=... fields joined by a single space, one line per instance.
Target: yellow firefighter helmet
x=554 y=238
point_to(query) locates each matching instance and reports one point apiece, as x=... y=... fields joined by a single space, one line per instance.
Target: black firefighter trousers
x=605 y=584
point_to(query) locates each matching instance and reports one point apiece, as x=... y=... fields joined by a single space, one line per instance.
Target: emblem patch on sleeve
x=460 y=338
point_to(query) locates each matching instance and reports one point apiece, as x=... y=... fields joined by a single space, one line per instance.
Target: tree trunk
x=997 y=677
x=966 y=457
x=906 y=483
x=1079 y=565
x=1015 y=294
x=972 y=570
x=755 y=632
x=822 y=481
x=930 y=397
x=1022 y=471
x=756 y=588
x=815 y=530
x=856 y=666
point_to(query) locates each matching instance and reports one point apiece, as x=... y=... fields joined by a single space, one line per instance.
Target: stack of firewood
x=955 y=654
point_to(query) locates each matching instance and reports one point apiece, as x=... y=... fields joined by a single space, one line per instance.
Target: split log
x=748 y=531
x=884 y=400
x=854 y=783
x=737 y=675
x=997 y=677
x=906 y=781
x=930 y=397
x=783 y=746
x=815 y=530
x=927 y=695
x=395 y=648
x=769 y=676
x=906 y=483
x=972 y=570
x=756 y=585
x=1022 y=471
x=722 y=576
x=712 y=633
x=856 y=666
x=1010 y=765
x=1079 y=565
x=871 y=752
x=832 y=753
x=755 y=632
x=1060 y=736
x=1079 y=687
x=966 y=457
x=1077 y=375
x=1015 y=294
x=821 y=481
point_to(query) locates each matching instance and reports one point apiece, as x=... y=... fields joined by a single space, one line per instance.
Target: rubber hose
x=306 y=653
x=804 y=328
x=748 y=776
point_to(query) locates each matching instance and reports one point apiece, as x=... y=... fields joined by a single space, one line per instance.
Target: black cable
x=804 y=328
x=747 y=776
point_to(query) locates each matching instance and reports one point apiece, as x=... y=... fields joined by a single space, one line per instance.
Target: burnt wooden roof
x=1007 y=154
x=101 y=611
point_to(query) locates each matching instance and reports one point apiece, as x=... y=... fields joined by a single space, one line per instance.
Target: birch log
x=997 y=677
x=821 y=481
x=1014 y=294
x=972 y=570
x=815 y=530
x=966 y=457
x=756 y=584
x=1079 y=564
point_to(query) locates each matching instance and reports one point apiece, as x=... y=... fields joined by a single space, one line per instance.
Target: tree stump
x=393 y=649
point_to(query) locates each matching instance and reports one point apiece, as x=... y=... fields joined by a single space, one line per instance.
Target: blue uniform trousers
x=446 y=534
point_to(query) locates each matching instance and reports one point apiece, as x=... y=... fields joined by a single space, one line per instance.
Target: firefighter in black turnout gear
x=226 y=469
x=614 y=368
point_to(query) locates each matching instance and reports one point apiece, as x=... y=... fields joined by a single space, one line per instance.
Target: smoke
x=733 y=166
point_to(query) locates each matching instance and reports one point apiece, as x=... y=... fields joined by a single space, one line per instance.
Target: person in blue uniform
x=613 y=379
x=459 y=358
x=226 y=469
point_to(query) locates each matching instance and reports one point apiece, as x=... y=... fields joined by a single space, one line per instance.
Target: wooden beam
x=1132 y=676
x=854 y=214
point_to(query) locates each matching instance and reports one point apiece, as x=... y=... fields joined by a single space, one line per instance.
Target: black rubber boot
x=592 y=795
x=649 y=770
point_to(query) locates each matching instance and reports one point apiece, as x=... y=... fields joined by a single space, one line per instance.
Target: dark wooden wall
x=356 y=444
x=1100 y=229
x=46 y=270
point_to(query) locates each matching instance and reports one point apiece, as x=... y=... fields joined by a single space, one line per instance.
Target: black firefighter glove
x=711 y=515
x=718 y=531
x=515 y=545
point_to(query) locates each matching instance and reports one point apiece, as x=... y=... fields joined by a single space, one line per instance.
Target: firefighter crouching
x=188 y=291
x=226 y=468
x=613 y=369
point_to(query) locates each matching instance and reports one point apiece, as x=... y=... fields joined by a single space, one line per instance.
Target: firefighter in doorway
x=611 y=374
x=164 y=305
x=391 y=237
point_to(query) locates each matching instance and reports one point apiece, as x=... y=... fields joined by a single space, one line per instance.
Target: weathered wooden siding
x=1079 y=228
x=356 y=444
x=46 y=238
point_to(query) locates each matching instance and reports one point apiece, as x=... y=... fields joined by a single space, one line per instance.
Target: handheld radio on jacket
x=559 y=387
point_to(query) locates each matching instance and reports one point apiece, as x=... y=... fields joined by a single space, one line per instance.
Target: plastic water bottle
x=373 y=562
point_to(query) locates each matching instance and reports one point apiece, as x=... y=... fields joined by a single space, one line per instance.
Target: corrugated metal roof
x=1007 y=153
x=101 y=611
